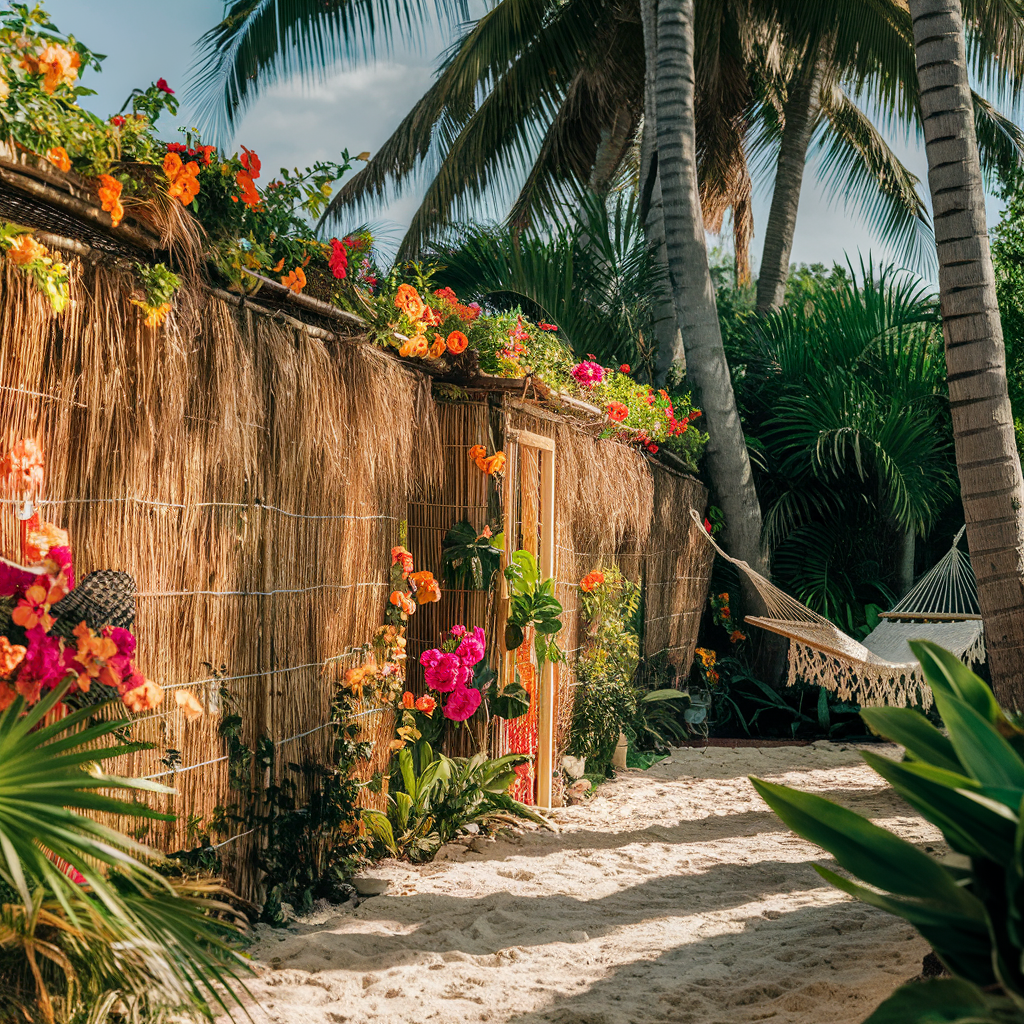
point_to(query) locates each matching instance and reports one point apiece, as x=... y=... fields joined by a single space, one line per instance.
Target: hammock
x=942 y=606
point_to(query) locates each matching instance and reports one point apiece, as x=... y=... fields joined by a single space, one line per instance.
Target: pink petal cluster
x=587 y=374
x=451 y=672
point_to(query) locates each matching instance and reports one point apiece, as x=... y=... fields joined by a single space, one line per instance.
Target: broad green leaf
x=935 y=1001
x=547 y=626
x=865 y=850
x=912 y=730
x=985 y=755
x=962 y=942
x=948 y=674
x=514 y=636
x=945 y=799
x=665 y=694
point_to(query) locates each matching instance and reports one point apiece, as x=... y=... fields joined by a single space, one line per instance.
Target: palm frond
x=857 y=164
x=260 y=42
x=1000 y=141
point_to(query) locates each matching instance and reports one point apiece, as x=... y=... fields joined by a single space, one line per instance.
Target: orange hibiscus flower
x=110 y=198
x=39 y=540
x=457 y=343
x=426 y=705
x=478 y=451
x=56 y=63
x=495 y=464
x=25 y=249
x=408 y=300
x=185 y=186
x=190 y=707
x=10 y=657
x=58 y=156
x=249 y=194
x=295 y=279
x=172 y=165
x=438 y=348
x=32 y=609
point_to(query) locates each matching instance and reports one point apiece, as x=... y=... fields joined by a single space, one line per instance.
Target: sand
x=673 y=895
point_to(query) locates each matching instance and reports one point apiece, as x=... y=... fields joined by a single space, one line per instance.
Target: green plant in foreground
x=970 y=906
x=447 y=794
x=123 y=932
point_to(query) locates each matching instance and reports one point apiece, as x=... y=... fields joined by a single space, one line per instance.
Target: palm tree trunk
x=986 y=455
x=615 y=140
x=690 y=278
x=801 y=113
x=668 y=344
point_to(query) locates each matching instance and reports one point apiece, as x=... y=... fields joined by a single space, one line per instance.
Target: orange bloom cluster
x=25 y=249
x=56 y=63
x=417 y=346
x=425 y=587
x=39 y=539
x=617 y=411
x=591 y=580
x=33 y=609
x=357 y=678
x=295 y=279
x=21 y=469
x=10 y=657
x=400 y=554
x=489 y=465
x=184 y=178
x=707 y=659
x=92 y=655
x=143 y=698
x=403 y=601
x=408 y=300
x=457 y=343
x=465 y=313
x=155 y=315
x=413 y=703
x=190 y=707
x=110 y=198
x=58 y=156
x=249 y=194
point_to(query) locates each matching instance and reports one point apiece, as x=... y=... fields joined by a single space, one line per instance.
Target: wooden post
x=546 y=707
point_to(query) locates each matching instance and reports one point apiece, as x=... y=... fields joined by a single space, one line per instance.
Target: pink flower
x=458 y=631
x=442 y=671
x=42 y=668
x=161 y=84
x=587 y=374
x=14 y=580
x=121 y=663
x=61 y=556
x=462 y=704
x=472 y=649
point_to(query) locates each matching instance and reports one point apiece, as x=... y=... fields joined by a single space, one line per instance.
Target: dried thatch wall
x=252 y=480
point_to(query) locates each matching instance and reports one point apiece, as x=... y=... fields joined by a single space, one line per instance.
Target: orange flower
x=92 y=654
x=249 y=194
x=7 y=696
x=591 y=580
x=190 y=707
x=21 y=469
x=172 y=165
x=495 y=464
x=143 y=698
x=598 y=577
x=251 y=162
x=457 y=343
x=33 y=607
x=110 y=198
x=58 y=64
x=426 y=587
x=295 y=279
x=10 y=657
x=155 y=315
x=185 y=186
x=418 y=346
x=405 y=349
x=426 y=705
x=58 y=156
x=736 y=636
x=39 y=540
x=354 y=682
x=438 y=348
x=408 y=604
x=617 y=411
x=396 y=598
x=478 y=451
x=408 y=300
x=279 y=265
x=408 y=700
x=25 y=249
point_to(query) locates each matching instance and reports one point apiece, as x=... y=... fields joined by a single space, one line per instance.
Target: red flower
x=339 y=259
x=624 y=368
x=547 y=327
x=117 y=121
x=251 y=162
x=707 y=525
x=176 y=147
x=653 y=449
x=161 y=84
x=617 y=411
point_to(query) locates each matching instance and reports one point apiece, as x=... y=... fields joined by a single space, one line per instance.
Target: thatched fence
x=253 y=472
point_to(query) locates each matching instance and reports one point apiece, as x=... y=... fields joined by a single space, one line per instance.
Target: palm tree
x=692 y=291
x=832 y=62
x=845 y=393
x=987 y=461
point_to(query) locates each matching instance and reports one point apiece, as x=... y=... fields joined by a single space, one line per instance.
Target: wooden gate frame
x=547 y=564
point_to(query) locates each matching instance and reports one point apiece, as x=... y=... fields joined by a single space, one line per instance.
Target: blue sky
x=358 y=107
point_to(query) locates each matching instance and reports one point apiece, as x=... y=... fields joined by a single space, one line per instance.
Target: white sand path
x=673 y=896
